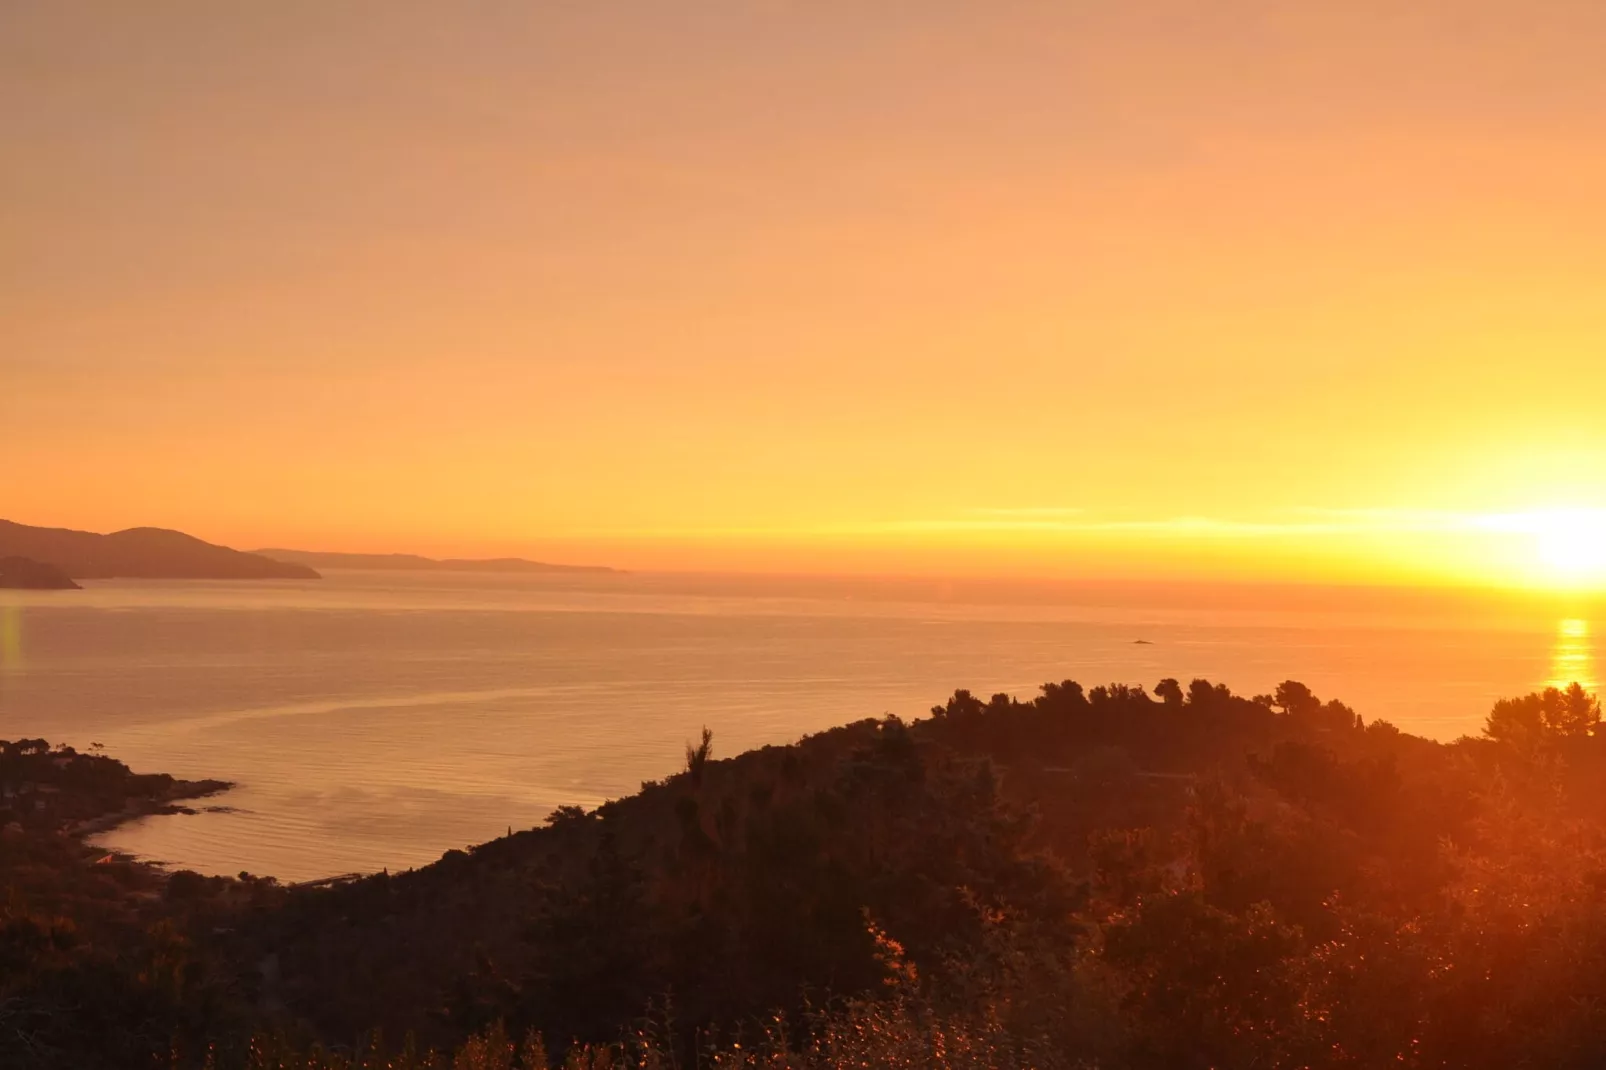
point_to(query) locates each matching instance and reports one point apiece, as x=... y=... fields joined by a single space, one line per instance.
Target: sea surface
x=376 y=719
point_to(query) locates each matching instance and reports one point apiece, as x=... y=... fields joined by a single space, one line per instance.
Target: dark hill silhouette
x=416 y=563
x=141 y=553
x=1105 y=877
x=22 y=573
x=739 y=882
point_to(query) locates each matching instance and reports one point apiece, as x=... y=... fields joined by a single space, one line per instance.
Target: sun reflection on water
x=1573 y=658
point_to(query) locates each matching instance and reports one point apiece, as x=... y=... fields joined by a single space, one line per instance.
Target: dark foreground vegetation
x=1105 y=878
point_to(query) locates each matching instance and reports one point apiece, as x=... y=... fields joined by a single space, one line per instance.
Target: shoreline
x=134 y=809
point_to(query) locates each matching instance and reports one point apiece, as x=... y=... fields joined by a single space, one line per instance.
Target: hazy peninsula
x=24 y=573
x=417 y=563
x=140 y=553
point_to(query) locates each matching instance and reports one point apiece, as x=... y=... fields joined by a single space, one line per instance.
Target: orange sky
x=1150 y=288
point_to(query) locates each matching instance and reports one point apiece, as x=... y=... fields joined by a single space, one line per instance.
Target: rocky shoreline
x=62 y=796
x=170 y=803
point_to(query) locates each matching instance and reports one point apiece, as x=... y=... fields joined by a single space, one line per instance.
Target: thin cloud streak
x=1052 y=520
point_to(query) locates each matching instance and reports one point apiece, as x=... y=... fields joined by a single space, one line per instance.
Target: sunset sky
x=1281 y=290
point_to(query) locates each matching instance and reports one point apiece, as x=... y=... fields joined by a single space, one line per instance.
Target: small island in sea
x=24 y=573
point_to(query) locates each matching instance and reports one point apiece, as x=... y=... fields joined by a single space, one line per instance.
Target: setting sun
x=1568 y=545
x=1574 y=547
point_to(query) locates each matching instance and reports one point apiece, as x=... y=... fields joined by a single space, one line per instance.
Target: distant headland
x=415 y=563
x=138 y=553
x=24 y=573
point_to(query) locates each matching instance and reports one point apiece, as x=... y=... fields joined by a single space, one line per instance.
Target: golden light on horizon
x=652 y=292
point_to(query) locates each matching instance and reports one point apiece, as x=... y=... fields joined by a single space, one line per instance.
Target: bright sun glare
x=1572 y=551
x=1566 y=547
x=1571 y=543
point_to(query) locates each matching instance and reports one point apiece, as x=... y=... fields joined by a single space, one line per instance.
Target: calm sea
x=377 y=719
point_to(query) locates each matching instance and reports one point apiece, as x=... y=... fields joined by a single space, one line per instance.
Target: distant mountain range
x=415 y=563
x=140 y=553
x=47 y=556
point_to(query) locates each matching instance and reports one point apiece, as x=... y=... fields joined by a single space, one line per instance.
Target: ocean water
x=376 y=719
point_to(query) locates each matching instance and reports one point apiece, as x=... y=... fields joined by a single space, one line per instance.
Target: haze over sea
x=377 y=719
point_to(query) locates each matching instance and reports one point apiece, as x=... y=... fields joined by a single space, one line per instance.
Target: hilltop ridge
x=1106 y=877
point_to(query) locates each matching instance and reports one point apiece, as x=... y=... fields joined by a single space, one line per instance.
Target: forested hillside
x=1106 y=877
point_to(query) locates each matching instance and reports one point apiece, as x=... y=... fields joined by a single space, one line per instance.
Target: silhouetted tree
x=1574 y=712
x=1527 y=721
x=1295 y=699
x=1203 y=693
x=697 y=756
